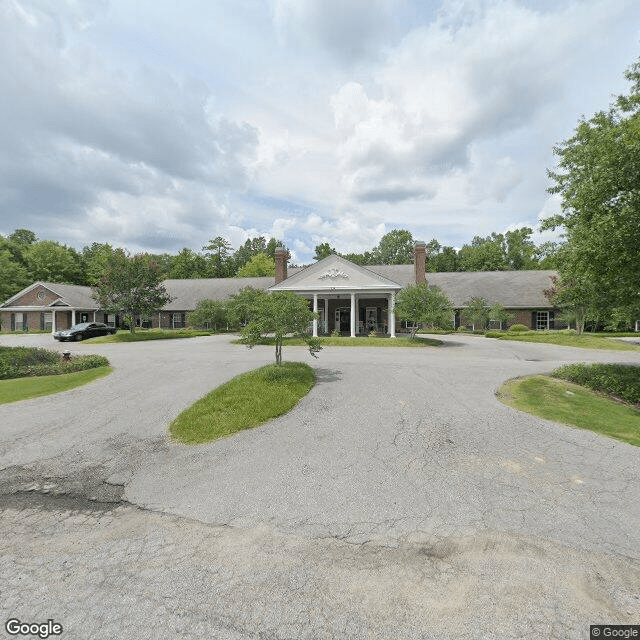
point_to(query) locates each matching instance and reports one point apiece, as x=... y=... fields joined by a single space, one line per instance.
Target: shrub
x=518 y=327
x=22 y=362
x=335 y=334
x=462 y=329
x=494 y=334
x=618 y=380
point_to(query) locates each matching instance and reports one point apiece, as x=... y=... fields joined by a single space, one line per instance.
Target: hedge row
x=22 y=362
x=619 y=380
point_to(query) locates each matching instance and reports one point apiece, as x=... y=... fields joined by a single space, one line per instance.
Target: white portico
x=348 y=297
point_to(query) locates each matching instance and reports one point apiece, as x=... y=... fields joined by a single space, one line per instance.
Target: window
x=177 y=320
x=48 y=321
x=111 y=319
x=19 y=322
x=542 y=321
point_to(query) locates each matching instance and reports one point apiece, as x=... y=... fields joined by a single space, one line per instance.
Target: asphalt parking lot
x=399 y=499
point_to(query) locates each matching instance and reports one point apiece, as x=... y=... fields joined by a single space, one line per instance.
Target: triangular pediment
x=336 y=274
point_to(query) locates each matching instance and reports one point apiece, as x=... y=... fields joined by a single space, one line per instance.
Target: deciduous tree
x=281 y=313
x=598 y=180
x=259 y=265
x=131 y=287
x=422 y=304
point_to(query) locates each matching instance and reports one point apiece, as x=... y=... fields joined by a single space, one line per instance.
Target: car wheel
x=77 y=337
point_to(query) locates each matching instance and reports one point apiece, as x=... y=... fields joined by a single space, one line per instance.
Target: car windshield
x=82 y=325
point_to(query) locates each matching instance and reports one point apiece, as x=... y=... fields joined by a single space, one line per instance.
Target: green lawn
x=584 y=341
x=150 y=334
x=363 y=341
x=24 y=388
x=571 y=404
x=244 y=402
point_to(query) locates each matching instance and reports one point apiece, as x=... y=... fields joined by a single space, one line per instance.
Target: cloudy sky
x=156 y=124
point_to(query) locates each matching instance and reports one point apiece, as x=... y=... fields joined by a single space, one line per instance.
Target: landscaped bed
x=150 y=334
x=246 y=401
x=605 y=400
x=27 y=372
x=360 y=341
x=565 y=338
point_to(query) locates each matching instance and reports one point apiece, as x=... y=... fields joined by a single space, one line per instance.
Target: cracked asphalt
x=399 y=499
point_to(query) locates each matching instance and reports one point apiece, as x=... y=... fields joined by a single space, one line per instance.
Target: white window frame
x=542 y=324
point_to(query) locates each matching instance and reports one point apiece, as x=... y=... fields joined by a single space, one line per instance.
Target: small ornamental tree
x=209 y=312
x=497 y=313
x=281 y=313
x=477 y=312
x=131 y=287
x=422 y=304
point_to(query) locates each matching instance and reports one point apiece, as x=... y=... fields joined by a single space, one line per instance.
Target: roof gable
x=335 y=273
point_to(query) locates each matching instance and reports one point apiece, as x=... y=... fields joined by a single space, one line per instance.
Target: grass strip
x=246 y=401
x=151 y=334
x=571 y=404
x=25 y=388
x=363 y=341
x=583 y=341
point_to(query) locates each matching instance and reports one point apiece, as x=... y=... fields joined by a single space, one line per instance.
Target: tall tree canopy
x=598 y=179
x=395 y=247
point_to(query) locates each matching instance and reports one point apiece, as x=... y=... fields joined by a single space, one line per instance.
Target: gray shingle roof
x=73 y=295
x=512 y=289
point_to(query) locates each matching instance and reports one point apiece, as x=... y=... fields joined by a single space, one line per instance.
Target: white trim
x=315 y=310
x=353 y=315
x=392 y=315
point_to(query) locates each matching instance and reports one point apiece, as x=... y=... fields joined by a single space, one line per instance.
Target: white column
x=326 y=315
x=353 y=315
x=392 y=315
x=53 y=321
x=94 y=316
x=315 y=310
x=73 y=317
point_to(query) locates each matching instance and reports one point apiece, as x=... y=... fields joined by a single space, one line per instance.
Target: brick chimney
x=281 y=255
x=420 y=261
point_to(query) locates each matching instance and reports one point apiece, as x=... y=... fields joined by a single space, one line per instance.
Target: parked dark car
x=84 y=330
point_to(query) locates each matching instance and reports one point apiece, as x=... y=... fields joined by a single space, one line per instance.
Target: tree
x=259 y=265
x=13 y=276
x=395 y=247
x=521 y=252
x=422 y=304
x=497 y=313
x=281 y=313
x=484 y=254
x=51 y=261
x=362 y=259
x=218 y=253
x=241 y=306
x=94 y=261
x=576 y=298
x=598 y=179
x=323 y=251
x=188 y=264
x=209 y=313
x=477 y=312
x=131 y=287
x=445 y=260
x=23 y=237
